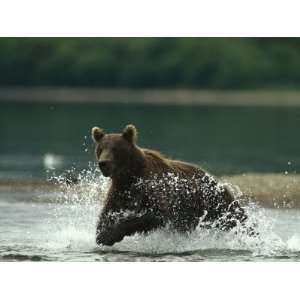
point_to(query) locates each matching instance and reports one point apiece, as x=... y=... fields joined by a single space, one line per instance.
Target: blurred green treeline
x=210 y=63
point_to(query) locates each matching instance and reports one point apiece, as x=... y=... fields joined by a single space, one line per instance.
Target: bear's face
x=114 y=151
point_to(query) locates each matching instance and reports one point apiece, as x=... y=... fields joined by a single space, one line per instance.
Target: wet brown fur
x=127 y=165
x=157 y=163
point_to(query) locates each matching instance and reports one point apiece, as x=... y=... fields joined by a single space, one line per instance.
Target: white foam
x=293 y=243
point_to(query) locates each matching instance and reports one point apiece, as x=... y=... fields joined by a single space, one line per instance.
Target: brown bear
x=149 y=191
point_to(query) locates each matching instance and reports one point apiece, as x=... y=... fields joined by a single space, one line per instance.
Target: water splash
x=164 y=241
x=293 y=243
x=74 y=220
x=75 y=212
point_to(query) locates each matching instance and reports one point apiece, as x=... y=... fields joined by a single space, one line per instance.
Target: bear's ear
x=130 y=133
x=97 y=134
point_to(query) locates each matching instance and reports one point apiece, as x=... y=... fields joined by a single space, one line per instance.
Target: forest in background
x=204 y=63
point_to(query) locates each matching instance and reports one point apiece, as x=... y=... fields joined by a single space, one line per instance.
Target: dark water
x=225 y=140
x=39 y=225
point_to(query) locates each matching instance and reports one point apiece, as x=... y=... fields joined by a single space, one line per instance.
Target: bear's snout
x=105 y=167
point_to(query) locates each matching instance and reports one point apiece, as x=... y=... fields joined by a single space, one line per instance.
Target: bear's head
x=117 y=153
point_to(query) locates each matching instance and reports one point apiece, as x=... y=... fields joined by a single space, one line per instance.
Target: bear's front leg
x=110 y=232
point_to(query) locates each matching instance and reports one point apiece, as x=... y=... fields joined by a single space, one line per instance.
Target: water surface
x=42 y=139
x=36 y=229
x=225 y=140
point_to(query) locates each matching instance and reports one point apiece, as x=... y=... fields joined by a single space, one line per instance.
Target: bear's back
x=156 y=163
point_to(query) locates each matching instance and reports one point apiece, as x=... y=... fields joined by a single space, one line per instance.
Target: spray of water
x=74 y=220
x=77 y=205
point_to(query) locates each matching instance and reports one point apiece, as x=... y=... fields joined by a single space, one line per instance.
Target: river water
x=43 y=140
x=60 y=226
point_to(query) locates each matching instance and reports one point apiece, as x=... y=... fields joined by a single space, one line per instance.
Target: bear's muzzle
x=105 y=167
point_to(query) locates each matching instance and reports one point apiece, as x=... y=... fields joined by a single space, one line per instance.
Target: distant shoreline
x=151 y=96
